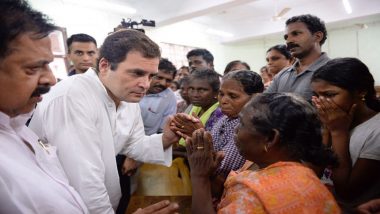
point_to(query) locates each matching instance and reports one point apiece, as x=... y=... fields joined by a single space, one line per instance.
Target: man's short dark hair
x=17 y=18
x=117 y=46
x=313 y=23
x=204 y=53
x=80 y=37
x=167 y=67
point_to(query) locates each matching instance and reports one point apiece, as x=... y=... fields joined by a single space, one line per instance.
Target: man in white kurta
x=31 y=178
x=79 y=117
x=87 y=118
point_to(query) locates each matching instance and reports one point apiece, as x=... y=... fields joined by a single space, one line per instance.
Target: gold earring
x=265 y=148
x=363 y=98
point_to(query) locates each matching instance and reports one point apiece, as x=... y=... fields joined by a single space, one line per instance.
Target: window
x=176 y=53
x=58 y=46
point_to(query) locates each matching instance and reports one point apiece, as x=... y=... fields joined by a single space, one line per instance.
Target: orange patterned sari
x=283 y=187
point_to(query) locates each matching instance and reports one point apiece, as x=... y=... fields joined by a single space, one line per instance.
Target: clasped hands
x=203 y=160
x=184 y=125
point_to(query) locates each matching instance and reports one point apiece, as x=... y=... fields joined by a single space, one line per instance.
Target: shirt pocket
x=153 y=116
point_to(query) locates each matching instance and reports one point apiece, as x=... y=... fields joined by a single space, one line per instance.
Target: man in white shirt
x=31 y=177
x=96 y=115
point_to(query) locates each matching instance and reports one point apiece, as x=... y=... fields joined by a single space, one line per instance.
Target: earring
x=363 y=98
x=265 y=148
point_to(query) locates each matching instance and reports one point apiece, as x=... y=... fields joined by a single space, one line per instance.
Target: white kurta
x=32 y=182
x=79 y=117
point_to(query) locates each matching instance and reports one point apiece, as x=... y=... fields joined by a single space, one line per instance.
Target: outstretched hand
x=184 y=125
x=332 y=116
x=203 y=160
x=169 y=137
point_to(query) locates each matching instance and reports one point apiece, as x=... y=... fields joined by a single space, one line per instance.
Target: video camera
x=129 y=24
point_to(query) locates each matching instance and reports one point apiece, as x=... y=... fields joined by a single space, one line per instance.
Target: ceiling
x=247 y=19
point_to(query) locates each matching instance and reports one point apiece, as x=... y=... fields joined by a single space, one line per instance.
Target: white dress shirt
x=31 y=177
x=79 y=117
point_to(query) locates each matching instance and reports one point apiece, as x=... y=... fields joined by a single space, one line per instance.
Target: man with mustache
x=94 y=116
x=82 y=52
x=159 y=102
x=304 y=35
x=31 y=178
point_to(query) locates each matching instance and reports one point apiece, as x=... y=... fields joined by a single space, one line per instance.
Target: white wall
x=341 y=42
x=361 y=43
x=349 y=41
x=98 y=23
x=77 y=18
x=190 y=34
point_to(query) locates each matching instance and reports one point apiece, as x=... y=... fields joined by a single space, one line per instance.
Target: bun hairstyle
x=251 y=81
x=297 y=123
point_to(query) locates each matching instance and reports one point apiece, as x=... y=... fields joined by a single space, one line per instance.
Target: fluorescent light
x=219 y=33
x=347 y=6
x=103 y=5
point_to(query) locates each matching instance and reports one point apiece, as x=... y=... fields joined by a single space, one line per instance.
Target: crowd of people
x=300 y=136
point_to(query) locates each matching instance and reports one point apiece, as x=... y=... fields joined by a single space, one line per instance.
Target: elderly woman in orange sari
x=278 y=132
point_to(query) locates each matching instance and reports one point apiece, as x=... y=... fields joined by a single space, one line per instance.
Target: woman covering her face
x=278 y=132
x=349 y=110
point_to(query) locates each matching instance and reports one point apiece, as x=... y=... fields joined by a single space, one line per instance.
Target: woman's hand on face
x=200 y=152
x=333 y=116
x=184 y=124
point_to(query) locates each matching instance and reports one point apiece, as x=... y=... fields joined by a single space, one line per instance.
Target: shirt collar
x=72 y=72
x=92 y=73
x=315 y=65
x=17 y=122
x=163 y=93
